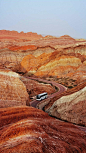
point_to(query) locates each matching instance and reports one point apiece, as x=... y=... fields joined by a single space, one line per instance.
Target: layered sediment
x=62 y=60
x=26 y=129
x=12 y=90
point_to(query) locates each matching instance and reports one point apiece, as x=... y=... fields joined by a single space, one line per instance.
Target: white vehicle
x=41 y=96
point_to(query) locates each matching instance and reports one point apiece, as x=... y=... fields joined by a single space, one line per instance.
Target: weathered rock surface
x=70 y=105
x=22 y=48
x=12 y=90
x=26 y=129
x=80 y=73
x=43 y=56
x=31 y=63
x=50 y=64
x=6 y=34
x=62 y=61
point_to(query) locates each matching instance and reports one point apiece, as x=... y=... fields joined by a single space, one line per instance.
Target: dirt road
x=60 y=87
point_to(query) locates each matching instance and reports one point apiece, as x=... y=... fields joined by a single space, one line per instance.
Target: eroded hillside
x=31 y=64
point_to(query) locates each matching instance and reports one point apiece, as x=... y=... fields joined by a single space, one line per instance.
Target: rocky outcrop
x=84 y=62
x=80 y=73
x=50 y=64
x=22 y=48
x=11 y=59
x=62 y=61
x=63 y=71
x=26 y=129
x=12 y=90
x=70 y=105
x=43 y=56
x=55 y=64
x=66 y=43
x=6 y=34
x=31 y=63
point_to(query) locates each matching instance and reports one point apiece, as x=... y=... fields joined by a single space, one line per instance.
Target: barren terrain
x=31 y=64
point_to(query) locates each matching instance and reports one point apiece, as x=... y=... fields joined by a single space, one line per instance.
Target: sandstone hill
x=17 y=91
x=6 y=34
x=68 y=106
x=59 y=59
x=47 y=56
x=12 y=90
x=62 y=58
x=55 y=65
x=71 y=107
x=27 y=129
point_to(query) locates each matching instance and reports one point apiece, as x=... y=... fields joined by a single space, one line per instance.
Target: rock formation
x=22 y=48
x=6 y=34
x=69 y=106
x=26 y=129
x=63 y=57
x=63 y=60
x=42 y=57
x=51 y=64
x=12 y=90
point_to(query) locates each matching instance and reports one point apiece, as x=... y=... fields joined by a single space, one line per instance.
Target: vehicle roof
x=42 y=93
